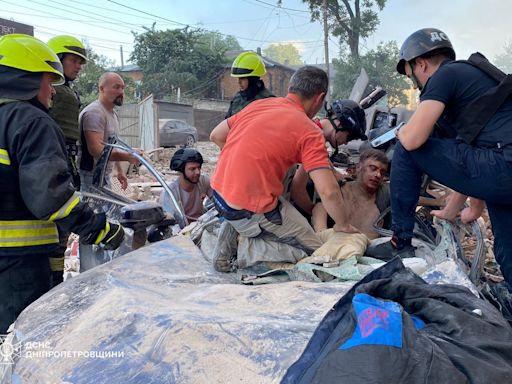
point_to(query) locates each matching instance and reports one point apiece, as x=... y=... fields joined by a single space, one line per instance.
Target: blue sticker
x=379 y=322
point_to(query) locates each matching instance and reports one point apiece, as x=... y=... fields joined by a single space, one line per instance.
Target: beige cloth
x=338 y=246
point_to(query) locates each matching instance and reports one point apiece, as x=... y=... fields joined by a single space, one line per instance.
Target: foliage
x=87 y=81
x=380 y=64
x=504 y=60
x=349 y=20
x=283 y=53
x=189 y=59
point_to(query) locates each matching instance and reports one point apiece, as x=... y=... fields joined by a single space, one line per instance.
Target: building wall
x=135 y=75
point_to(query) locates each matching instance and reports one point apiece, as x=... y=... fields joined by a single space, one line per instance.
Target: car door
x=180 y=132
x=166 y=134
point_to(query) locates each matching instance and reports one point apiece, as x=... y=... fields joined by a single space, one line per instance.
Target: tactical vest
x=477 y=114
x=65 y=111
x=239 y=102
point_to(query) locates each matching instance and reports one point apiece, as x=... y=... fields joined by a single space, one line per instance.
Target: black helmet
x=421 y=42
x=351 y=116
x=183 y=156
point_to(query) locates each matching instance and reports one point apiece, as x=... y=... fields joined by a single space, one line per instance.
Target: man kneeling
x=259 y=144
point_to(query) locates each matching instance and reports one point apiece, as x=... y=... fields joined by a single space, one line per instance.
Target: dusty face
x=72 y=65
x=243 y=83
x=113 y=90
x=192 y=172
x=371 y=174
x=46 y=90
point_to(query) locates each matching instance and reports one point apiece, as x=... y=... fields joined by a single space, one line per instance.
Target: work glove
x=110 y=237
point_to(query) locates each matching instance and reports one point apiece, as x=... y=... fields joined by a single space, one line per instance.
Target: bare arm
x=332 y=200
x=414 y=134
x=123 y=180
x=219 y=134
x=450 y=211
x=95 y=146
x=299 y=192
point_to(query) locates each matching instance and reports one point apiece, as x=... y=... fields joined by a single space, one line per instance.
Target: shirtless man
x=366 y=197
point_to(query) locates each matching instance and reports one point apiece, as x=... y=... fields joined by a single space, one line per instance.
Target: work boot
x=388 y=250
x=224 y=253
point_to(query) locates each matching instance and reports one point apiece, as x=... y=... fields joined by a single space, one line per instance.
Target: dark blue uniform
x=482 y=169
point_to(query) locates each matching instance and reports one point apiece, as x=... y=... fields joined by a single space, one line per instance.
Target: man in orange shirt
x=259 y=144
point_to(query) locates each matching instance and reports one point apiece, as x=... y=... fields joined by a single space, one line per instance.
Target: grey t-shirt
x=96 y=118
x=191 y=202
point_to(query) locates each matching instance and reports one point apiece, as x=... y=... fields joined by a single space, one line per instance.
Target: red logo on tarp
x=372 y=318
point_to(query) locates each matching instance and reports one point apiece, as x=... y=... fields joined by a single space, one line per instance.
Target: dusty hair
x=308 y=81
x=374 y=154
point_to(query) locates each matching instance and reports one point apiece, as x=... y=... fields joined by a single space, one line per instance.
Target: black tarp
x=407 y=331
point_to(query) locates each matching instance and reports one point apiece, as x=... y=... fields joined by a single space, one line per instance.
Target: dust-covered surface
x=168 y=317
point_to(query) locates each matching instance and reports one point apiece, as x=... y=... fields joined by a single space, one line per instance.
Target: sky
x=106 y=25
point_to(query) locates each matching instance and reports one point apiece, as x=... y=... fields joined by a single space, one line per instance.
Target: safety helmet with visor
x=248 y=64
x=67 y=44
x=28 y=54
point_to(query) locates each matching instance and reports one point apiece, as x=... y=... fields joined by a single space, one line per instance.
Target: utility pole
x=326 y=39
x=122 y=59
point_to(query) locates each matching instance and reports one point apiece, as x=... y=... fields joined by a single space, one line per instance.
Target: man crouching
x=259 y=144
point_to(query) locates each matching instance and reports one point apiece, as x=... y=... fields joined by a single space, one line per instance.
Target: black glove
x=111 y=236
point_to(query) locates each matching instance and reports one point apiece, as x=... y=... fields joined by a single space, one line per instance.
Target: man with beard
x=366 y=197
x=98 y=122
x=190 y=188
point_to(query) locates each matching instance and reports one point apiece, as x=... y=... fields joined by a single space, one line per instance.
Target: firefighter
x=248 y=67
x=65 y=110
x=37 y=194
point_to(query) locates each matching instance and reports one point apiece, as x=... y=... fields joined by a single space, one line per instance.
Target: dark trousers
x=478 y=172
x=23 y=279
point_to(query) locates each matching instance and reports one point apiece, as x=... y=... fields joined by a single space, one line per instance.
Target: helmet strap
x=414 y=79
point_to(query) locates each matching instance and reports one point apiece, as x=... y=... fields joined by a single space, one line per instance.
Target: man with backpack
x=471 y=99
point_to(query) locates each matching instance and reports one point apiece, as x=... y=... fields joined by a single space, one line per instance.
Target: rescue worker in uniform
x=36 y=191
x=65 y=110
x=478 y=162
x=248 y=67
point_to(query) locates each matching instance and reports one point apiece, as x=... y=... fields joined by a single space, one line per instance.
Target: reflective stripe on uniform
x=21 y=233
x=103 y=233
x=4 y=157
x=65 y=210
x=57 y=264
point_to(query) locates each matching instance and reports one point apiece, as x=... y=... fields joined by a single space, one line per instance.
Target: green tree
x=283 y=53
x=504 y=60
x=349 y=20
x=219 y=42
x=189 y=59
x=87 y=81
x=380 y=64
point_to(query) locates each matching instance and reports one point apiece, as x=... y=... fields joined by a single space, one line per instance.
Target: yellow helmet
x=248 y=64
x=67 y=44
x=29 y=54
